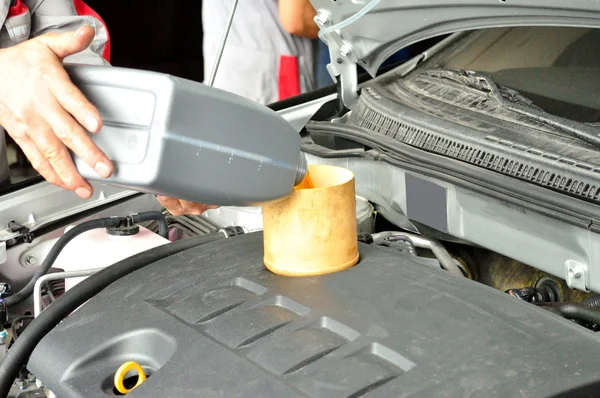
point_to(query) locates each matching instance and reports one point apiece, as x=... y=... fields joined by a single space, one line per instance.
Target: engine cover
x=213 y=322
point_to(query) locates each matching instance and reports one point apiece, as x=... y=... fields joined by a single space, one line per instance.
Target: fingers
x=75 y=138
x=57 y=155
x=180 y=207
x=171 y=204
x=38 y=162
x=195 y=209
x=73 y=100
x=49 y=164
x=69 y=100
x=44 y=111
x=65 y=44
x=67 y=94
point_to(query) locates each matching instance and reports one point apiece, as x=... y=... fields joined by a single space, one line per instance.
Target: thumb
x=65 y=44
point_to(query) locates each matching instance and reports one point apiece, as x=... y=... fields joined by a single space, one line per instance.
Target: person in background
x=297 y=17
x=269 y=55
x=323 y=58
x=40 y=108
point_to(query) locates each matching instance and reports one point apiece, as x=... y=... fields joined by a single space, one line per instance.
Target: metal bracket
x=3 y=254
x=37 y=288
x=23 y=231
x=577 y=275
x=343 y=60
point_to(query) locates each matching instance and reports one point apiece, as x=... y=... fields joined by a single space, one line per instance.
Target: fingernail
x=91 y=123
x=80 y=31
x=83 y=193
x=102 y=169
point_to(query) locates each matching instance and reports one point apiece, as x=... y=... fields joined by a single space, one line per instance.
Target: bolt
x=30 y=260
x=574 y=274
x=322 y=18
x=21 y=384
x=345 y=50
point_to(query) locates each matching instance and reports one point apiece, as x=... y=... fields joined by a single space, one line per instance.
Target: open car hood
x=367 y=32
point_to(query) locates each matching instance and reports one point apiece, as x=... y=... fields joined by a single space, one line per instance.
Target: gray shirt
x=36 y=17
x=252 y=61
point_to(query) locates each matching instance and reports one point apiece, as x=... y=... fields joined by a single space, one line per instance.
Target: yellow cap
x=123 y=370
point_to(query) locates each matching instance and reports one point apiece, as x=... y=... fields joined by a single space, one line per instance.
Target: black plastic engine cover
x=213 y=322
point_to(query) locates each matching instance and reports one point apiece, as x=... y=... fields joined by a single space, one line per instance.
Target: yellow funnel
x=313 y=231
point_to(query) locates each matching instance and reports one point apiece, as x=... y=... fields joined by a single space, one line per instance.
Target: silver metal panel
x=534 y=239
x=247 y=217
x=369 y=31
x=299 y=115
x=44 y=203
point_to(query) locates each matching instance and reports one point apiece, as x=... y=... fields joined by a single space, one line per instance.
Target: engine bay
x=476 y=275
x=213 y=320
x=396 y=324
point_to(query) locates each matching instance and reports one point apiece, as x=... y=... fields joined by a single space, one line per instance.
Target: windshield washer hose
x=438 y=250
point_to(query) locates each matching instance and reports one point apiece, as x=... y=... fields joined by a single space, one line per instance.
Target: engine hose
x=593 y=301
x=578 y=312
x=77 y=296
x=163 y=227
x=22 y=294
x=438 y=250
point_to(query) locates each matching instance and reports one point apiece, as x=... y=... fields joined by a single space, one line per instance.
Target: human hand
x=179 y=207
x=43 y=111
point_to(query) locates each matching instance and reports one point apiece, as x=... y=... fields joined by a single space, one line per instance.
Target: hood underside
x=367 y=32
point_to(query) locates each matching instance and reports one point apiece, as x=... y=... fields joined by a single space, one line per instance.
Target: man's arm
x=46 y=117
x=297 y=17
x=43 y=111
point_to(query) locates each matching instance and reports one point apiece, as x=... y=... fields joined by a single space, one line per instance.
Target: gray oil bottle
x=183 y=139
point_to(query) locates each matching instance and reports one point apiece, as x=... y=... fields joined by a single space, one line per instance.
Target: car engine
x=476 y=275
x=213 y=321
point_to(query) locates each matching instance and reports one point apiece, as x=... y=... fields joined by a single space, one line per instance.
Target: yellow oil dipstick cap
x=122 y=372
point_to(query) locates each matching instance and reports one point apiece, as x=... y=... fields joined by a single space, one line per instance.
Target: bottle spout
x=301 y=169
